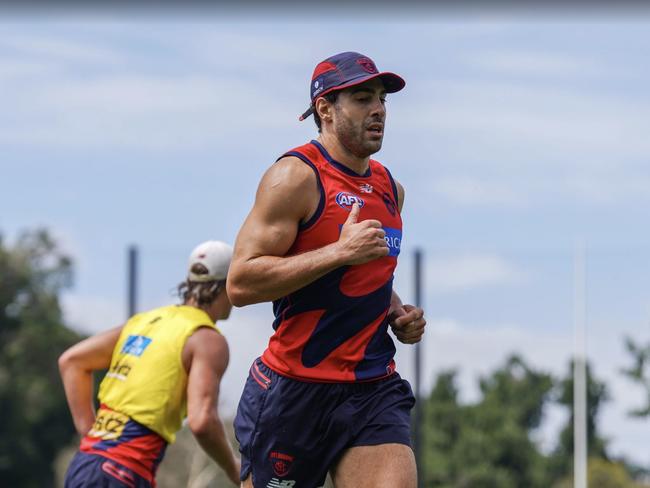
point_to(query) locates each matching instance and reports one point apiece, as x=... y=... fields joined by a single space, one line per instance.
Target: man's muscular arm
x=286 y=196
x=205 y=358
x=76 y=366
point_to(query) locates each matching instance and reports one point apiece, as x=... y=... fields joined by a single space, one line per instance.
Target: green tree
x=603 y=474
x=639 y=372
x=442 y=426
x=487 y=444
x=34 y=419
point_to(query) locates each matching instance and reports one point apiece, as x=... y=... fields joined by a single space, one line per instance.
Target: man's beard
x=355 y=140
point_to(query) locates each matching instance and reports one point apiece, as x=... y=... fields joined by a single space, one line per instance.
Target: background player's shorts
x=91 y=470
x=291 y=432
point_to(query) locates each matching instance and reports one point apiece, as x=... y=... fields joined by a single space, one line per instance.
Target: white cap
x=215 y=256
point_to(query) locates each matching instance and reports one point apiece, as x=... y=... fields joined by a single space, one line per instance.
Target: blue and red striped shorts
x=92 y=470
x=292 y=432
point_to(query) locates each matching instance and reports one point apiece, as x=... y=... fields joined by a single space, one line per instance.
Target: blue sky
x=514 y=137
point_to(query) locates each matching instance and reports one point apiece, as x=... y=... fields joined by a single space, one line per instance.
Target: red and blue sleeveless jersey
x=116 y=436
x=335 y=329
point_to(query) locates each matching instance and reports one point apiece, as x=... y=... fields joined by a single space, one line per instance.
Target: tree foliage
x=639 y=372
x=490 y=443
x=602 y=474
x=34 y=418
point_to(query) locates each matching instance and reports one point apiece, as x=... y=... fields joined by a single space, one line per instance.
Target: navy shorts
x=91 y=470
x=292 y=432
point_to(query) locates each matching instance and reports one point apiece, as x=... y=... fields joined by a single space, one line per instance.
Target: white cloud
x=12 y=69
x=58 y=49
x=555 y=123
x=596 y=186
x=133 y=94
x=525 y=144
x=462 y=272
x=143 y=107
x=240 y=51
x=608 y=187
x=535 y=63
x=90 y=314
x=140 y=111
x=476 y=350
x=473 y=191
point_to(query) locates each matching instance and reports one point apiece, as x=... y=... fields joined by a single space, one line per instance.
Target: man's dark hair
x=331 y=97
x=205 y=292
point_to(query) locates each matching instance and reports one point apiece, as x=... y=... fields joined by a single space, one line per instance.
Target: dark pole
x=417 y=441
x=132 y=277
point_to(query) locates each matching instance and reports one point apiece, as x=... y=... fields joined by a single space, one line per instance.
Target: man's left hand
x=407 y=323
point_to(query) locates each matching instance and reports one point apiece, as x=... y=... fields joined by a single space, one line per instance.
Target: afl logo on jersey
x=346 y=200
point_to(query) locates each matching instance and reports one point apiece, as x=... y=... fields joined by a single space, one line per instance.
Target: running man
x=321 y=242
x=163 y=365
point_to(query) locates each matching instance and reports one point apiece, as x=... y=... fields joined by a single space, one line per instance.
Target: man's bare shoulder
x=208 y=345
x=289 y=172
x=289 y=188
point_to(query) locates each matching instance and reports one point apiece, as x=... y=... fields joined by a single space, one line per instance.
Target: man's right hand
x=361 y=242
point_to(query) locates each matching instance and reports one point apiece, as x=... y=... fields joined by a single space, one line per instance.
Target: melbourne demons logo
x=281 y=463
x=388 y=201
x=367 y=65
x=346 y=200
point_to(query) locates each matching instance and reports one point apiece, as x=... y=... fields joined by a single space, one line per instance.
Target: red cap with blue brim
x=345 y=70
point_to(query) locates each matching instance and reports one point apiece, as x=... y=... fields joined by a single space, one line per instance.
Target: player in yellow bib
x=163 y=365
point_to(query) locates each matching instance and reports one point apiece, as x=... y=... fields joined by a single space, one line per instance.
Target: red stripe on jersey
x=140 y=453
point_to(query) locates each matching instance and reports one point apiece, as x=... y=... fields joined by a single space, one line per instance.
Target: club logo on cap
x=367 y=64
x=319 y=86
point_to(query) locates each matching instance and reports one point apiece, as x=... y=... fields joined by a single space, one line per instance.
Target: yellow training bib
x=146 y=380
